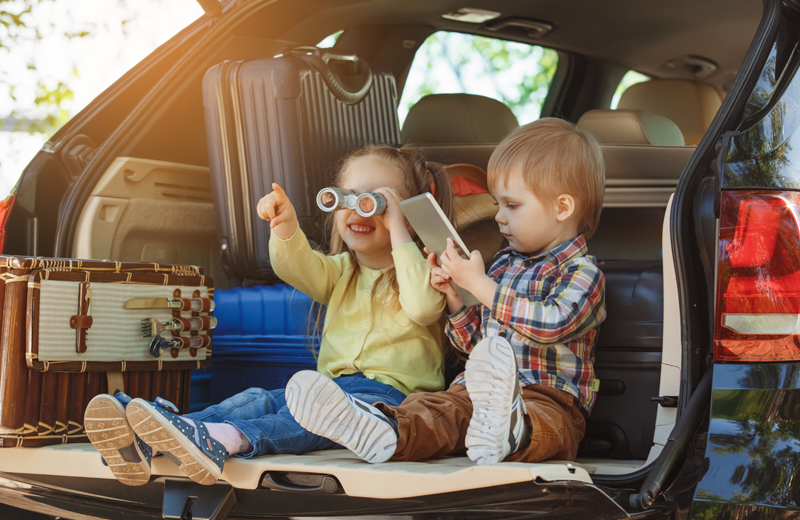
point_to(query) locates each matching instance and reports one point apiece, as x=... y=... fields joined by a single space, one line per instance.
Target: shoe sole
x=491 y=376
x=158 y=432
x=321 y=407
x=108 y=430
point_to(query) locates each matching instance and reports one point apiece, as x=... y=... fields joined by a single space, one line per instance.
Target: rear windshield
x=629 y=79
x=516 y=74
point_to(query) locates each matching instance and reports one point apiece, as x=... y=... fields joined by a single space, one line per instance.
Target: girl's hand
x=441 y=282
x=278 y=210
x=393 y=218
x=439 y=279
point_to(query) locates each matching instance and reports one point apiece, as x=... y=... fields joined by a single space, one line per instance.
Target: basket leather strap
x=83 y=320
x=115 y=383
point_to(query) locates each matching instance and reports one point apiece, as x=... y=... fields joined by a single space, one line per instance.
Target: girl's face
x=367 y=237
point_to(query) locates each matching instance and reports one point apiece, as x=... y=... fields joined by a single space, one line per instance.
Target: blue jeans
x=262 y=416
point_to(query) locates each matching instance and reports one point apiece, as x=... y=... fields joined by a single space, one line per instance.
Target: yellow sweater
x=402 y=349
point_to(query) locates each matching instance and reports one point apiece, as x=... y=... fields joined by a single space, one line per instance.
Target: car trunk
x=625 y=433
x=635 y=361
x=639 y=355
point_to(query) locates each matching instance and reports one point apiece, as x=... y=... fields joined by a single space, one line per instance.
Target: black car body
x=727 y=429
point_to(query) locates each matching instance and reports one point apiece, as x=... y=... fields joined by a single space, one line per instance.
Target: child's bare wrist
x=472 y=282
x=454 y=302
x=484 y=289
x=399 y=236
x=285 y=230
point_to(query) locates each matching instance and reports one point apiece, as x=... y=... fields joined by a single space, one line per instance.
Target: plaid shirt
x=548 y=307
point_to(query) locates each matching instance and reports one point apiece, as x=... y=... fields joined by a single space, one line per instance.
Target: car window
x=517 y=74
x=765 y=85
x=630 y=78
x=329 y=41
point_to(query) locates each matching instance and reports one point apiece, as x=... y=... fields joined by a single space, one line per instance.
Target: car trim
x=357 y=478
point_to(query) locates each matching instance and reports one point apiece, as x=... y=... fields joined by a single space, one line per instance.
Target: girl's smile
x=368 y=237
x=361 y=228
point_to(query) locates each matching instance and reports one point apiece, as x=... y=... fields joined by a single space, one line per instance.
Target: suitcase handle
x=353 y=89
x=325 y=54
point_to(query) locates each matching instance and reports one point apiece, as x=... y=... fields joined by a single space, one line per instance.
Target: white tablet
x=433 y=228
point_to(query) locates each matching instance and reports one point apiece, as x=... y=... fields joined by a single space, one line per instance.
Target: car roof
x=643 y=36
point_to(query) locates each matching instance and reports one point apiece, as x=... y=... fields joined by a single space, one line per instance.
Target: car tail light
x=5 y=211
x=758 y=284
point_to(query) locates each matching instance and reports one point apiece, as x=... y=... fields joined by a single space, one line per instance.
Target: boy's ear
x=565 y=207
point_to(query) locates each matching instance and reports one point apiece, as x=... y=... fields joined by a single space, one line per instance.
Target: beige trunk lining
x=358 y=478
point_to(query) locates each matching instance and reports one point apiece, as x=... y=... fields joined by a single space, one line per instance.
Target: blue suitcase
x=262 y=339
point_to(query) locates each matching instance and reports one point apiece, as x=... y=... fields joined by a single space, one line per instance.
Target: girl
x=382 y=335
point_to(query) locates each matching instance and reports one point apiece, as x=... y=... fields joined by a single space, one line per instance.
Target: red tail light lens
x=5 y=211
x=758 y=284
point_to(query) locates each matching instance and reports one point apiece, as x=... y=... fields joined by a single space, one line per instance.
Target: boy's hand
x=278 y=210
x=469 y=273
x=393 y=218
x=441 y=282
x=462 y=271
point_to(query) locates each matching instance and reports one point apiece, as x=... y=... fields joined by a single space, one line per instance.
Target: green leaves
x=517 y=74
x=14 y=21
x=47 y=109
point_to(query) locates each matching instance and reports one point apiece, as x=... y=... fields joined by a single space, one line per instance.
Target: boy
x=529 y=382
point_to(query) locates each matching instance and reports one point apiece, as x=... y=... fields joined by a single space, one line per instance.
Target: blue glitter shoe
x=120 y=449
x=198 y=456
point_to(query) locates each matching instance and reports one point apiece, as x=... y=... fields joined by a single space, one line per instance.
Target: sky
x=123 y=32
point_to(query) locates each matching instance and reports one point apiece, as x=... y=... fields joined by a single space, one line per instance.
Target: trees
x=57 y=56
x=22 y=29
x=455 y=62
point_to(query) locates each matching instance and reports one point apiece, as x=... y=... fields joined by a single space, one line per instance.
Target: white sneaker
x=321 y=407
x=498 y=427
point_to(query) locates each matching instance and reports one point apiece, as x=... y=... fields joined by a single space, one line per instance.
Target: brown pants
x=434 y=424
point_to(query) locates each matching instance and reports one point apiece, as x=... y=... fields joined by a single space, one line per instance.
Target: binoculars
x=365 y=204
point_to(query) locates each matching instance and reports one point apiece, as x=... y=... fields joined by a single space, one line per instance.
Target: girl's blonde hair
x=554 y=157
x=420 y=176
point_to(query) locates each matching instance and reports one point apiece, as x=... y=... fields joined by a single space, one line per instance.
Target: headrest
x=689 y=104
x=458 y=118
x=630 y=127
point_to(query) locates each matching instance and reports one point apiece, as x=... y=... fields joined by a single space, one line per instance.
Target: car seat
x=644 y=155
x=458 y=119
x=630 y=127
x=462 y=130
x=458 y=128
x=689 y=104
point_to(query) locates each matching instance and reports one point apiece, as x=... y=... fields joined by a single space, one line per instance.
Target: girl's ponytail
x=442 y=190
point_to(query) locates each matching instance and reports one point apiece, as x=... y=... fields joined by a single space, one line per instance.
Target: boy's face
x=530 y=225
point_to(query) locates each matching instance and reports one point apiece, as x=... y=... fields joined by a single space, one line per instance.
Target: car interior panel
x=151 y=211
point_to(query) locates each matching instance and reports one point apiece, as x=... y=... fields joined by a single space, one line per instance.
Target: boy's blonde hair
x=554 y=157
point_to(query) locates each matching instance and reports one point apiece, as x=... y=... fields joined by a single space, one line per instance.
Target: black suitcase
x=289 y=119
